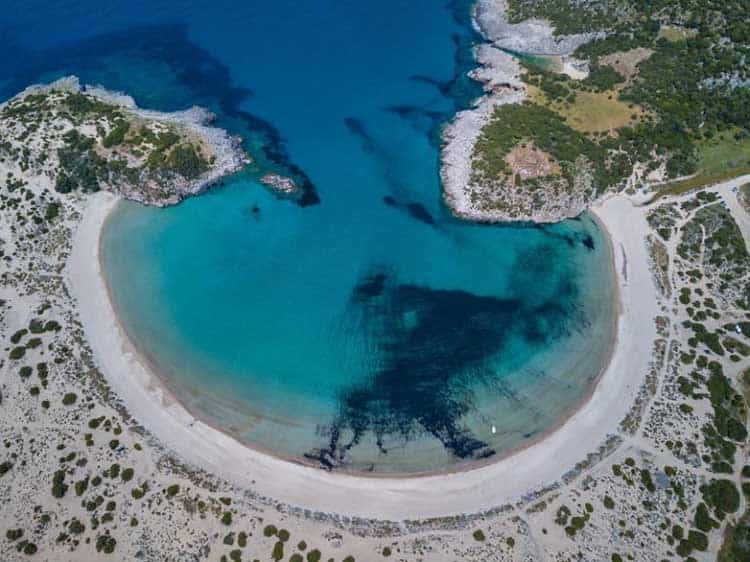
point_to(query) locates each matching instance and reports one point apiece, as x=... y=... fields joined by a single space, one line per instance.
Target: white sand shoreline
x=474 y=490
x=170 y=390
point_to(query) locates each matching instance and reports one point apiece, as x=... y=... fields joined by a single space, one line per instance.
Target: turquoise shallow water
x=282 y=330
x=366 y=328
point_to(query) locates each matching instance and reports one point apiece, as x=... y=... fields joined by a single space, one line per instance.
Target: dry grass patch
x=592 y=112
x=675 y=32
x=626 y=62
x=595 y=112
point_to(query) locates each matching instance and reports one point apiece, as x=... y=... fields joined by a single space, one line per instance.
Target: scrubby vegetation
x=102 y=145
x=736 y=547
x=683 y=109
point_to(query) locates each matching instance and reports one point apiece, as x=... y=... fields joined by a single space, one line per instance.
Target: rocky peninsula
x=501 y=72
x=69 y=138
x=575 y=109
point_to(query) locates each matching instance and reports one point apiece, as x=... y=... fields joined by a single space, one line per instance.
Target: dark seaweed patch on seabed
x=582 y=237
x=433 y=347
x=199 y=79
x=382 y=158
x=419 y=212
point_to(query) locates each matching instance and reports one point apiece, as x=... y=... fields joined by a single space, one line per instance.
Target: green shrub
x=69 y=399
x=722 y=467
x=81 y=486
x=703 y=519
x=698 y=540
x=58 y=484
x=722 y=495
x=117 y=134
x=185 y=161
x=478 y=535
x=51 y=211
x=736 y=547
x=13 y=534
x=602 y=78
x=684 y=548
x=18 y=335
x=678 y=532
x=76 y=527
x=106 y=544
x=647 y=481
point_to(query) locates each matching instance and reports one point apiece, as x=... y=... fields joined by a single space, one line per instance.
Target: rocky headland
x=64 y=137
x=500 y=73
x=559 y=127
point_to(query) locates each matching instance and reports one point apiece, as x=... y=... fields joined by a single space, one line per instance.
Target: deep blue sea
x=362 y=325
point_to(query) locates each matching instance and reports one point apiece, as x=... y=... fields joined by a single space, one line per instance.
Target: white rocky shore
x=530 y=36
x=500 y=74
